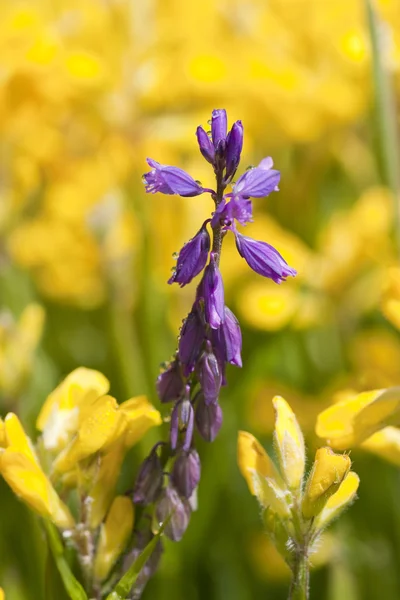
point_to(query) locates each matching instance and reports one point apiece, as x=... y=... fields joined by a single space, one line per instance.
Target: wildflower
x=177 y=509
x=192 y=258
x=170 y=386
x=233 y=149
x=205 y=144
x=258 y=182
x=185 y=474
x=295 y=513
x=208 y=418
x=190 y=341
x=170 y=180
x=227 y=339
x=263 y=258
x=209 y=374
x=149 y=480
x=213 y=294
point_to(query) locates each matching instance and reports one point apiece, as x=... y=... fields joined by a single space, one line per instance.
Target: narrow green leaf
x=53 y=585
x=125 y=584
x=72 y=585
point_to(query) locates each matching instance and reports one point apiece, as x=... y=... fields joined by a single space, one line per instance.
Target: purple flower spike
x=205 y=144
x=190 y=341
x=258 y=181
x=186 y=473
x=233 y=149
x=170 y=180
x=192 y=258
x=219 y=125
x=227 y=340
x=178 y=509
x=213 y=294
x=170 y=386
x=210 y=375
x=208 y=419
x=263 y=258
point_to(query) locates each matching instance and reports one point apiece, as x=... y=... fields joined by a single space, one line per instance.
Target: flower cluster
x=85 y=435
x=210 y=337
x=296 y=511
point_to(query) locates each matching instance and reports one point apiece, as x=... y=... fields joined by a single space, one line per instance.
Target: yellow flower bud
x=261 y=475
x=114 y=535
x=289 y=444
x=328 y=471
x=339 y=500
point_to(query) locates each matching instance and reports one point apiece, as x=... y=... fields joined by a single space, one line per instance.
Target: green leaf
x=53 y=585
x=125 y=584
x=72 y=585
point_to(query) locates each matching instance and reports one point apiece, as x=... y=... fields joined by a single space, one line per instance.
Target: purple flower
x=263 y=258
x=149 y=480
x=178 y=509
x=192 y=258
x=186 y=473
x=182 y=419
x=212 y=289
x=227 y=340
x=205 y=144
x=258 y=181
x=190 y=341
x=210 y=376
x=170 y=180
x=218 y=128
x=234 y=147
x=170 y=386
x=208 y=418
x=237 y=208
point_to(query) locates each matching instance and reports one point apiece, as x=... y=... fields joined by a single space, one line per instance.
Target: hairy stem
x=217 y=230
x=299 y=587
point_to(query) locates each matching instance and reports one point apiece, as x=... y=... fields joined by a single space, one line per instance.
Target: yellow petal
x=260 y=474
x=327 y=474
x=141 y=416
x=338 y=501
x=386 y=444
x=114 y=535
x=102 y=491
x=82 y=386
x=99 y=422
x=289 y=444
x=17 y=438
x=28 y=481
x=2 y=595
x=336 y=423
x=382 y=412
x=3 y=437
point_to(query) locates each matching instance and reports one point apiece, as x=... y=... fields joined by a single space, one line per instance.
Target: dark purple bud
x=182 y=419
x=178 y=509
x=208 y=419
x=213 y=293
x=149 y=480
x=170 y=385
x=232 y=338
x=218 y=126
x=186 y=473
x=210 y=376
x=192 y=258
x=258 y=181
x=234 y=149
x=190 y=341
x=263 y=259
x=205 y=144
x=170 y=180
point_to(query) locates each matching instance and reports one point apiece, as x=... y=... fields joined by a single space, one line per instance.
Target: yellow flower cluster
x=296 y=511
x=84 y=437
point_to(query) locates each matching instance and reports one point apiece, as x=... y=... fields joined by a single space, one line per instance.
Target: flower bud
x=192 y=258
x=186 y=473
x=210 y=376
x=182 y=419
x=227 y=339
x=218 y=127
x=213 y=294
x=289 y=444
x=178 y=509
x=190 y=341
x=263 y=258
x=149 y=480
x=339 y=501
x=205 y=144
x=328 y=472
x=170 y=385
x=234 y=149
x=208 y=418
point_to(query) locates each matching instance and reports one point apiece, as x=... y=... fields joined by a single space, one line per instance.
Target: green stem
x=385 y=109
x=299 y=587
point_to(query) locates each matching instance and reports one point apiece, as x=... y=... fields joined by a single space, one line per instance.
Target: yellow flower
x=114 y=535
x=260 y=474
x=328 y=472
x=339 y=500
x=385 y=443
x=2 y=595
x=289 y=444
x=21 y=469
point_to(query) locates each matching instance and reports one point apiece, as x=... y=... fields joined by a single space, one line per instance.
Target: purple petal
x=190 y=341
x=218 y=126
x=205 y=144
x=234 y=149
x=213 y=294
x=258 y=181
x=170 y=386
x=210 y=376
x=170 y=180
x=230 y=339
x=208 y=419
x=192 y=258
x=185 y=474
x=263 y=258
